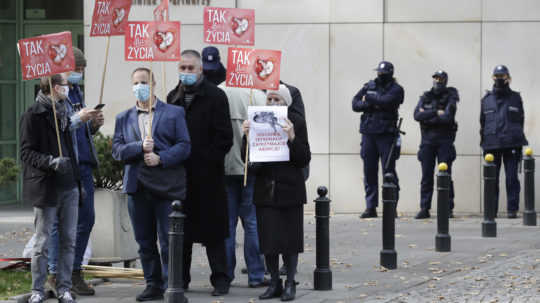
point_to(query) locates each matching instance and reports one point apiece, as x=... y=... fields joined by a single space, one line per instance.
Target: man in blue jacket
x=501 y=133
x=436 y=111
x=153 y=174
x=378 y=101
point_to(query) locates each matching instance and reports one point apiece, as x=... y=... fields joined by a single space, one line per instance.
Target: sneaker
x=66 y=298
x=423 y=214
x=36 y=298
x=512 y=214
x=369 y=213
x=50 y=286
x=150 y=294
x=80 y=287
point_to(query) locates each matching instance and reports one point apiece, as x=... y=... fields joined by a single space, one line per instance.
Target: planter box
x=112 y=236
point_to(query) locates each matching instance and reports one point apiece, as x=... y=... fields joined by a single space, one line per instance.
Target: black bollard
x=175 y=291
x=529 y=214
x=322 y=276
x=489 y=226
x=389 y=200
x=442 y=239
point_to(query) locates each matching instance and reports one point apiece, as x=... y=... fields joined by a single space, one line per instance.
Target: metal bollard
x=489 y=226
x=322 y=276
x=529 y=214
x=175 y=290
x=389 y=200
x=443 y=239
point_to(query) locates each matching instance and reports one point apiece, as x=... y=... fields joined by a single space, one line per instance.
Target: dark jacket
x=380 y=109
x=501 y=120
x=39 y=145
x=437 y=128
x=281 y=184
x=209 y=123
x=171 y=141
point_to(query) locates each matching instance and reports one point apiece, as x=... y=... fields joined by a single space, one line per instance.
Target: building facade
x=330 y=48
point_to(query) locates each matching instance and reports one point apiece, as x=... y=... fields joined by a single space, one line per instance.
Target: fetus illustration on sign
x=267 y=118
x=118 y=16
x=163 y=40
x=240 y=25
x=264 y=68
x=57 y=52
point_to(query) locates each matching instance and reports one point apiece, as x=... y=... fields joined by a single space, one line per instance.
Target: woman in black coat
x=279 y=197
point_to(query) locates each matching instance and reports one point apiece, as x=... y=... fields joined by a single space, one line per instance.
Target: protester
x=240 y=197
x=379 y=101
x=153 y=174
x=213 y=69
x=209 y=124
x=84 y=123
x=436 y=112
x=501 y=134
x=51 y=183
x=279 y=197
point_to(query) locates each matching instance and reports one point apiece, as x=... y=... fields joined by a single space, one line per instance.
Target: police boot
x=369 y=213
x=289 y=292
x=273 y=291
x=423 y=214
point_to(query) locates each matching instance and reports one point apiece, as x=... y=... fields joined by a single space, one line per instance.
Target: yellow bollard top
x=443 y=166
x=489 y=158
x=528 y=151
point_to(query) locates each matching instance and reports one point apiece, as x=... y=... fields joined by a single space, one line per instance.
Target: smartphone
x=99 y=106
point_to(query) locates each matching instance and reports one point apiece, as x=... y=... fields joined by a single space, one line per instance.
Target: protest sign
x=253 y=68
x=267 y=139
x=46 y=55
x=110 y=17
x=152 y=41
x=231 y=26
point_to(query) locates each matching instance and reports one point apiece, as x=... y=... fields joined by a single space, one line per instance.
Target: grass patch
x=14 y=283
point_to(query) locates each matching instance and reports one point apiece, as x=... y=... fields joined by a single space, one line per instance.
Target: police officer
x=501 y=133
x=436 y=111
x=378 y=101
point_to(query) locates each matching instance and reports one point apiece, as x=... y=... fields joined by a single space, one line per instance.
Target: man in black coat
x=210 y=129
x=51 y=181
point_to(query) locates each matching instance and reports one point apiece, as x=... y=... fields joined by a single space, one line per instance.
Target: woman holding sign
x=279 y=196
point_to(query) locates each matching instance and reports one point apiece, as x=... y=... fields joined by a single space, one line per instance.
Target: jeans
x=85 y=223
x=241 y=206
x=150 y=220
x=65 y=213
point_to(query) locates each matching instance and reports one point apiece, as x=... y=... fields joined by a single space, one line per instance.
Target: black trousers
x=217 y=259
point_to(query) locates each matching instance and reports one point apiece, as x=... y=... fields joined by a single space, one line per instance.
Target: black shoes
x=273 y=291
x=512 y=214
x=289 y=292
x=80 y=287
x=150 y=294
x=220 y=290
x=263 y=283
x=369 y=213
x=423 y=214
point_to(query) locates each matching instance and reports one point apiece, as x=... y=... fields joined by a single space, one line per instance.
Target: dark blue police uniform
x=438 y=135
x=501 y=120
x=378 y=101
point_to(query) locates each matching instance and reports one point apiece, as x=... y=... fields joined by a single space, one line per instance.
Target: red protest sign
x=253 y=68
x=110 y=17
x=152 y=41
x=232 y=26
x=161 y=12
x=46 y=55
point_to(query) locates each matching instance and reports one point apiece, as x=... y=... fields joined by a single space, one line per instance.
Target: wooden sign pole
x=150 y=103
x=104 y=69
x=55 y=119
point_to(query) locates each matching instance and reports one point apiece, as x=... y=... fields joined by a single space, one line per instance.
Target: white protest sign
x=267 y=139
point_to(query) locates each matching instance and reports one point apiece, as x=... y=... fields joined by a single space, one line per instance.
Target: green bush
x=9 y=171
x=109 y=173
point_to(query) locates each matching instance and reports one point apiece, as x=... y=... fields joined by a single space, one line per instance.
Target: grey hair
x=193 y=53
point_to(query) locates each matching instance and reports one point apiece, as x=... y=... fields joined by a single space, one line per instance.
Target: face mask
x=499 y=82
x=384 y=78
x=75 y=78
x=188 y=79
x=142 y=92
x=64 y=92
x=438 y=86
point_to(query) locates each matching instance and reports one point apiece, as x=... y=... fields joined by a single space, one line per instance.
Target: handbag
x=167 y=183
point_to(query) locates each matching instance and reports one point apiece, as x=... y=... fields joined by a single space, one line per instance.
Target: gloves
x=61 y=165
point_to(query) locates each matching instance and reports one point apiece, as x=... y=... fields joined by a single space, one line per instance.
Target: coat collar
x=133 y=118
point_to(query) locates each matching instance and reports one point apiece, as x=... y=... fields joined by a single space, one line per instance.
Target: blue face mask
x=188 y=79
x=142 y=92
x=75 y=78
